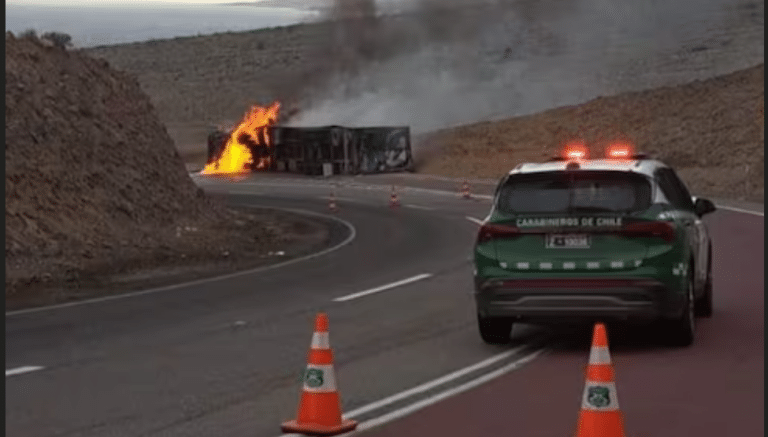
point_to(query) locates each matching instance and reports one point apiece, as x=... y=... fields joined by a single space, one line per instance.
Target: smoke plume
x=432 y=64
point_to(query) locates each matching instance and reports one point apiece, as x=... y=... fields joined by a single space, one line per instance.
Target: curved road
x=224 y=357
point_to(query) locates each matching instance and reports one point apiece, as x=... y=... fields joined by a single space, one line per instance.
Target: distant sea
x=107 y=25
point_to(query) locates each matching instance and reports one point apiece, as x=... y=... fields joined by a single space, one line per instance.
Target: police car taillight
x=492 y=231
x=660 y=229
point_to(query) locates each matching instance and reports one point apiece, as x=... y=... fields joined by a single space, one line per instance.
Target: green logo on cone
x=314 y=378
x=598 y=396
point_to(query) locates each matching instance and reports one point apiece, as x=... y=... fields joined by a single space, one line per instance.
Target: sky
x=94 y=22
x=113 y=2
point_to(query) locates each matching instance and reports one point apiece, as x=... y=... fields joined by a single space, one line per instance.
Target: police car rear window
x=575 y=192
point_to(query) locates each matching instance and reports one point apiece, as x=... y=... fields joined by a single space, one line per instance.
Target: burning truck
x=258 y=144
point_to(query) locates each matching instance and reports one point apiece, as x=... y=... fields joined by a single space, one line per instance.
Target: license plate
x=567 y=241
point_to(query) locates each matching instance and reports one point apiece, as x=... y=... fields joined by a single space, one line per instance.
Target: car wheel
x=495 y=330
x=681 y=331
x=705 y=304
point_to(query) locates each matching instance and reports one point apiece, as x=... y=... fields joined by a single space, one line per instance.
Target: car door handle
x=687 y=222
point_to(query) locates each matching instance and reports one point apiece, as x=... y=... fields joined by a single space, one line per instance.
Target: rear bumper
x=576 y=299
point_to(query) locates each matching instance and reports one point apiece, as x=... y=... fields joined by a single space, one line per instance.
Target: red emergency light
x=620 y=151
x=575 y=151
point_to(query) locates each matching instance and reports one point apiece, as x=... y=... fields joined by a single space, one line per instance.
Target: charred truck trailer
x=328 y=150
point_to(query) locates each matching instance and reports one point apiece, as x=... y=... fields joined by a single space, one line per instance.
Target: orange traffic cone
x=465 y=191
x=320 y=404
x=332 y=202
x=393 y=200
x=600 y=415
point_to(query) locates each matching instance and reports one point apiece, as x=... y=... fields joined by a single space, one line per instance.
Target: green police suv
x=576 y=239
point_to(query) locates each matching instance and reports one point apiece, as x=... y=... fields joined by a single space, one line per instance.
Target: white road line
x=437 y=397
x=425 y=208
x=20 y=370
x=345 y=199
x=352 y=235
x=474 y=220
x=448 y=393
x=430 y=191
x=382 y=288
x=297 y=183
x=743 y=211
x=431 y=384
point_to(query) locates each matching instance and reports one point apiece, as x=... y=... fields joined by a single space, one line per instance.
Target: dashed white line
x=343 y=199
x=425 y=208
x=382 y=288
x=22 y=369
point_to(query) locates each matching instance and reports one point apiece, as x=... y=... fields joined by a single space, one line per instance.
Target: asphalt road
x=224 y=357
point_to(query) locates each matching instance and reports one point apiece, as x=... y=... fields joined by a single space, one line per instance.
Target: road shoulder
x=299 y=236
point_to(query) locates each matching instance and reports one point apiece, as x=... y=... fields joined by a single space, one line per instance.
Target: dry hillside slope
x=93 y=182
x=712 y=131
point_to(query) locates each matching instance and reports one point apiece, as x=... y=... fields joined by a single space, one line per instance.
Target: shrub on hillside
x=29 y=33
x=59 y=39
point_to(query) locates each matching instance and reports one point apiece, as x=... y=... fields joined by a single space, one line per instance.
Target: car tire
x=681 y=332
x=495 y=330
x=705 y=304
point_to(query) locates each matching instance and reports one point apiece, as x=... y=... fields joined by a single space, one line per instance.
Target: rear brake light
x=663 y=230
x=493 y=231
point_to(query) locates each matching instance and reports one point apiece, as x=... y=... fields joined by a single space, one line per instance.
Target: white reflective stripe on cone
x=319 y=379
x=600 y=396
x=320 y=340
x=599 y=355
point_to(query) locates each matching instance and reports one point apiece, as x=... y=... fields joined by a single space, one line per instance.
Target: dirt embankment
x=712 y=131
x=95 y=187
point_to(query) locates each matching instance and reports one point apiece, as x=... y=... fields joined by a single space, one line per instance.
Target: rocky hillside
x=92 y=178
x=712 y=131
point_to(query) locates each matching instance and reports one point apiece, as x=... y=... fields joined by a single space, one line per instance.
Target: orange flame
x=237 y=157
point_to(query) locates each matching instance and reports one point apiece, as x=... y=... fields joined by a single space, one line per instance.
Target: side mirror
x=703 y=206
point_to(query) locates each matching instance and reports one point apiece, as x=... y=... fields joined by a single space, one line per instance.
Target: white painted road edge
x=412 y=408
x=383 y=287
x=430 y=385
x=425 y=208
x=743 y=211
x=474 y=220
x=349 y=239
x=430 y=191
x=23 y=369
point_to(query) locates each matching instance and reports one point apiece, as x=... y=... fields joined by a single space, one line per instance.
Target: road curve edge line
x=443 y=192
x=741 y=210
x=346 y=241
